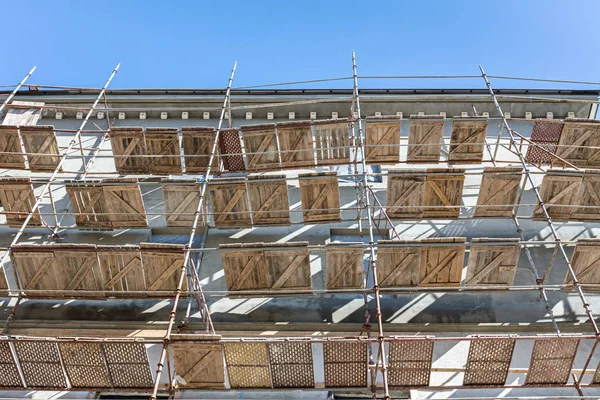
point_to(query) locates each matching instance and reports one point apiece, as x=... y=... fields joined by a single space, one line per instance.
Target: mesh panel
x=551 y=361
x=547 y=135
x=488 y=362
x=40 y=363
x=84 y=364
x=247 y=365
x=128 y=364
x=345 y=364
x=9 y=374
x=410 y=363
x=291 y=364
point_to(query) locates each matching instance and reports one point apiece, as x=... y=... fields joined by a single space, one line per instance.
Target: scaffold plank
x=498 y=191
x=199 y=365
x=269 y=199
x=163 y=144
x=230 y=146
x=398 y=265
x=410 y=363
x=291 y=365
x=578 y=144
x=124 y=203
x=121 y=268
x=467 y=141
x=405 y=194
x=40 y=139
x=493 y=264
x=17 y=196
x=442 y=265
x=230 y=205
x=262 y=150
x=488 y=362
x=443 y=190
x=586 y=262
x=345 y=364
x=320 y=197
x=85 y=364
x=588 y=196
x=287 y=266
x=546 y=135
x=9 y=372
x=296 y=144
x=332 y=141
x=197 y=144
x=551 y=361
x=382 y=142
x=558 y=191
x=40 y=364
x=128 y=365
x=425 y=139
x=345 y=263
x=181 y=199
x=248 y=365
x=126 y=144
x=244 y=266
x=10 y=142
x=162 y=265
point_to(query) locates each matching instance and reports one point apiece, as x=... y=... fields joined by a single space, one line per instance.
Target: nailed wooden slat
x=576 y=144
x=229 y=195
x=162 y=265
x=260 y=144
x=17 y=196
x=588 y=196
x=121 y=268
x=199 y=365
x=244 y=268
x=197 y=145
x=398 y=265
x=585 y=262
x=77 y=267
x=40 y=139
x=345 y=364
x=269 y=199
x=332 y=141
x=443 y=188
x=488 y=362
x=551 y=361
x=295 y=144
x=320 y=197
x=164 y=144
x=442 y=265
x=382 y=142
x=467 y=141
x=181 y=199
x=34 y=266
x=124 y=203
x=89 y=205
x=10 y=142
x=248 y=365
x=405 y=193
x=492 y=264
x=344 y=265
x=126 y=143
x=288 y=268
x=410 y=363
x=425 y=140
x=499 y=189
x=558 y=191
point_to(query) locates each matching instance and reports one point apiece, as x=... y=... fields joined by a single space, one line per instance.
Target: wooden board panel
x=287 y=266
x=181 y=200
x=121 y=268
x=35 y=267
x=162 y=265
x=405 y=188
x=410 y=363
x=269 y=199
x=467 y=141
x=576 y=141
x=345 y=263
x=443 y=190
x=551 y=361
x=558 y=191
x=23 y=116
x=291 y=365
x=40 y=139
x=124 y=203
x=126 y=144
x=382 y=142
x=320 y=197
x=247 y=365
x=498 y=191
x=296 y=144
x=585 y=262
x=425 y=140
x=546 y=135
x=197 y=145
x=10 y=373
x=244 y=266
x=88 y=203
x=11 y=142
x=398 y=265
x=332 y=139
x=164 y=144
x=199 y=365
x=230 y=146
x=16 y=196
x=260 y=144
x=493 y=264
x=229 y=195
x=128 y=365
x=588 y=196
x=488 y=362
x=85 y=364
x=345 y=364
x=442 y=265
x=40 y=364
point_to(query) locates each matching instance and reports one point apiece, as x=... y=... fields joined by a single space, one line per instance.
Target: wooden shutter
x=493 y=264
x=442 y=265
x=164 y=144
x=127 y=143
x=35 y=267
x=269 y=199
x=296 y=144
x=425 y=139
x=320 y=197
x=181 y=199
x=124 y=203
x=588 y=196
x=40 y=139
x=16 y=196
x=10 y=142
x=162 y=265
x=498 y=191
x=78 y=269
x=287 y=266
x=467 y=141
x=397 y=264
x=443 y=192
x=229 y=195
x=260 y=144
x=405 y=188
x=576 y=141
x=244 y=266
x=121 y=269
x=332 y=141
x=345 y=264
x=197 y=145
x=558 y=191
x=199 y=364
x=382 y=142
x=87 y=201
x=585 y=262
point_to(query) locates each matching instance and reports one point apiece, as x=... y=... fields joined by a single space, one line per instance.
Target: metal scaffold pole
x=14 y=92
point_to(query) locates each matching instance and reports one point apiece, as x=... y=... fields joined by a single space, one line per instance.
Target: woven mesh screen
x=128 y=364
x=247 y=365
x=488 y=362
x=40 y=363
x=345 y=364
x=551 y=361
x=9 y=373
x=84 y=363
x=291 y=365
x=546 y=135
x=410 y=363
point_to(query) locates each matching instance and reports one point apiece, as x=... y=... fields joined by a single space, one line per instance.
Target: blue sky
x=194 y=43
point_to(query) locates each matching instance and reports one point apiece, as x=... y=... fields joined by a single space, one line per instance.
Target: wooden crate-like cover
x=551 y=361
x=405 y=194
x=11 y=143
x=85 y=364
x=332 y=141
x=89 y=205
x=248 y=365
x=269 y=199
x=291 y=365
x=588 y=196
x=320 y=197
x=200 y=365
x=40 y=364
x=197 y=146
x=398 y=265
x=181 y=200
x=17 y=196
x=467 y=141
x=558 y=192
x=128 y=365
x=230 y=205
x=163 y=143
x=493 y=264
x=488 y=362
x=345 y=264
x=127 y=143
x=40 y=139
x=498 y=191
x=585 y=262
x=425 y=140
x=345 y=364
x=260 y=144
x=410 y=363
x=121 y=269
x=443 y=192
x=442 y=265
x=296 y=144
x=576 y=144
x=382 y=142
x=163 y=265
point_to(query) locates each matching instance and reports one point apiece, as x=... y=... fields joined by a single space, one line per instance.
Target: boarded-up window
x=129 y=149
x=586 y=262
x=260 y=144
x=17 y=199
x=121 y=269
x=199 y=365
x=11 y=143
x=577 y=142
x=332 y=141
x=269 y=199
x=345 y=263
x=197 y=146
x=229 y=199
x=163 y=264
x=181 y=199
x=498 y=191
x=467 y=141
x=558 y=192
x=296 y=144
x=398 y=265
x=320 y=197
x=588 y=197
x=163 y=143
x=443 y=192
x=405 y=194
x=425 y=139
x=442 y=260
x=493 y=264
x=41 y=140
x=382 y=142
